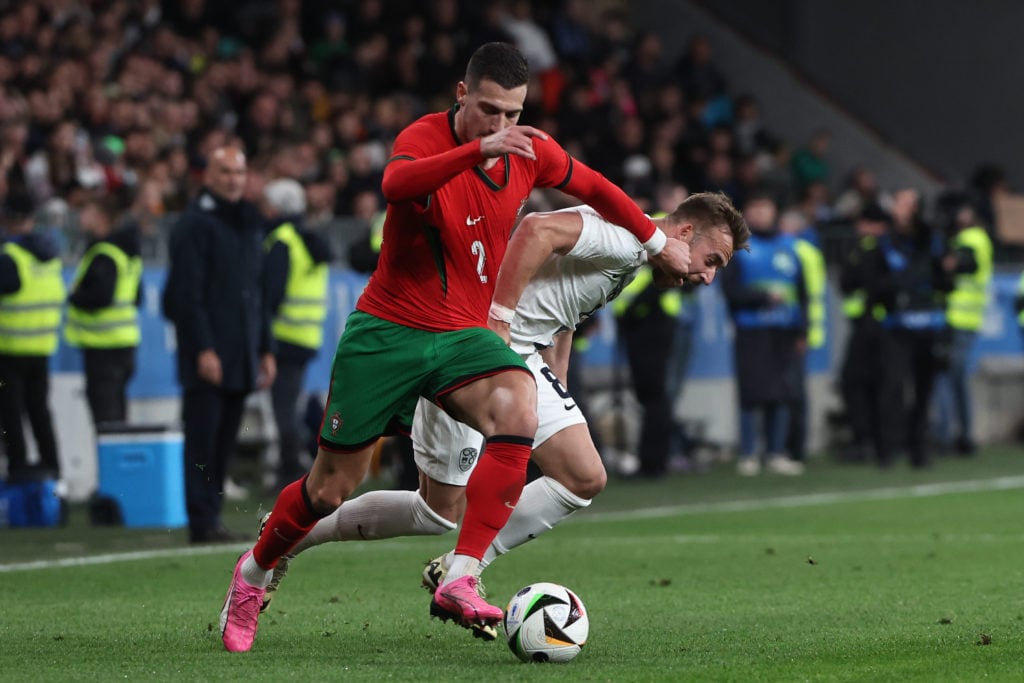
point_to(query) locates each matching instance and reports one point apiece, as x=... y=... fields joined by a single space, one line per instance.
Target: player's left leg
x=503 y=408
x=573 y=476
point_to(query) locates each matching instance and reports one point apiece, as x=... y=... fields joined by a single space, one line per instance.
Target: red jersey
x=440 y=254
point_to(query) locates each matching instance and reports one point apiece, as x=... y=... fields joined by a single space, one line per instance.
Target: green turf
x=884 y=587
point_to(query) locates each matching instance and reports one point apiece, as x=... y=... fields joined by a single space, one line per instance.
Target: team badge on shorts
x=466 y=459
x=336 y=423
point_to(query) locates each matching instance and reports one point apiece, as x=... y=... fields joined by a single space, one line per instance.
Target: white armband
x=502 y=313
x=656 y=243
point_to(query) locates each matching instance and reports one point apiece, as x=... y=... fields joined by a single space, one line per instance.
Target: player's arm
x=408 y=178
x=557 y=356
x=617 y=208
x=538 y=236
x=410 y=174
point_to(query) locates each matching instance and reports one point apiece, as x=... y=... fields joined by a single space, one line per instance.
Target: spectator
x=970 y=262
x=214 y=297
x=748 y=129
x=103 y=310
x=904 y=274
x=697 y=73
x=861 y=191
x=809 y=163
x=860 y=378
x=296 y=287
x=31 y=297
x=768 y=302
x=815 y=282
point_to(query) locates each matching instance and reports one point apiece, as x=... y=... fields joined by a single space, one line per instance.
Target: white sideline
x=916 y=491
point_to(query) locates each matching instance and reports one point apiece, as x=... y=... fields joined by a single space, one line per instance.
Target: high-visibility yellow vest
x=812 y=262
x=854 y=304
x=965 y=307
x=300 y=318
x=115 y=326
x=670 y=301
x=30 y=317
x=1020 y=292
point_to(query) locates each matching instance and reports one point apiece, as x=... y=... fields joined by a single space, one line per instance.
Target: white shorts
x=446 y=450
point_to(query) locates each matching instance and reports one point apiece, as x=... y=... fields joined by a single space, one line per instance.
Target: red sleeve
x=409 y=175
x=608 y=199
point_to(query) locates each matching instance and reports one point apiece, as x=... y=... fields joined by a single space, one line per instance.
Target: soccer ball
x=546 y=622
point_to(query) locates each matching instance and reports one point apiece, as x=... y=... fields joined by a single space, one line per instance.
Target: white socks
x=461 y=565
x=255 y=575
x=544 y=504
x=375 y=515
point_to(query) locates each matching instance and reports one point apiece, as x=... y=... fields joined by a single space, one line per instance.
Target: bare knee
x=328 y=496
x=519 y=420
x=585 y=485
x=334 y=477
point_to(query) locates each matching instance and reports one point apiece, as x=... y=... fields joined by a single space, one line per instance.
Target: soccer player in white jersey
x=564 y=265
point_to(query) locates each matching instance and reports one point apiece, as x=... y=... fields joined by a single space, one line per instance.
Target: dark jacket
x=921 y=284
x=96 y=288
x=40 y=245
x=275 y=279
x=214 y=291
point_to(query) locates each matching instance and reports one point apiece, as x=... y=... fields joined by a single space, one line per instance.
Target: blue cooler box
x=144 y=473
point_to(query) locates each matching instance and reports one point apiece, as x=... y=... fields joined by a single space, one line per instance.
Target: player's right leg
x=361 y=406
x=299 y=506
x=446 y=451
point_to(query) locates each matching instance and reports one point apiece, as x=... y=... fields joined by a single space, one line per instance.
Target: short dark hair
x=710 y=210
x=502 y=63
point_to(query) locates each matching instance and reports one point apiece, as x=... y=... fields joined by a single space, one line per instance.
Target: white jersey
x=568 y=288
x=564 y=291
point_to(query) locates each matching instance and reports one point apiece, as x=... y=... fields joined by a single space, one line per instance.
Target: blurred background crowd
x=124 y=100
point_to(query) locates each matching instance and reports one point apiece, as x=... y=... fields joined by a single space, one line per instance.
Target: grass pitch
x=846 y=574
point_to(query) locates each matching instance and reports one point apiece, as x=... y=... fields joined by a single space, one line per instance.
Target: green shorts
x=381 y=369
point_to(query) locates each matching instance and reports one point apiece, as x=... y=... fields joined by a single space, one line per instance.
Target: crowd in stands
x=126 y=98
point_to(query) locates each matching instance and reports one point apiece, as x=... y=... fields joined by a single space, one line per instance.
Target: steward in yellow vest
x=31 y=298
x=649 y=323
x=860 y=375
x=295 y=280
x=965 y=305
x=970 y=263
x=103 y=310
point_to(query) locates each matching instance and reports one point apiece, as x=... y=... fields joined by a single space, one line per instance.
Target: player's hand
x=512 y=140
x=500 y=328
x=208 y=367
x=268 y=371
x=674 y=259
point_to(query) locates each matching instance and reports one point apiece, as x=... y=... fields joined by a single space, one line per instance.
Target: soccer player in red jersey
x=455 y=184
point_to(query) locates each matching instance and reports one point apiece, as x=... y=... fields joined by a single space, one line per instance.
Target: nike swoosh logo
x=473 y=221
x=570 y=406
x=509 y=505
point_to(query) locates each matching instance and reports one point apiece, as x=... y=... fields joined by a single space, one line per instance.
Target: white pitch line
x=802 y=500
x=917 y=491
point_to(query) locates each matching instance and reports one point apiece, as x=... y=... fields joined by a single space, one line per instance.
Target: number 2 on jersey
x=481 y=259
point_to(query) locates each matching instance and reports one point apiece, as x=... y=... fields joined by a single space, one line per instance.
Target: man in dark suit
x=214 y=296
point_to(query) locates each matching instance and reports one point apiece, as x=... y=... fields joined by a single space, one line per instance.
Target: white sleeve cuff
x=656 y=243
